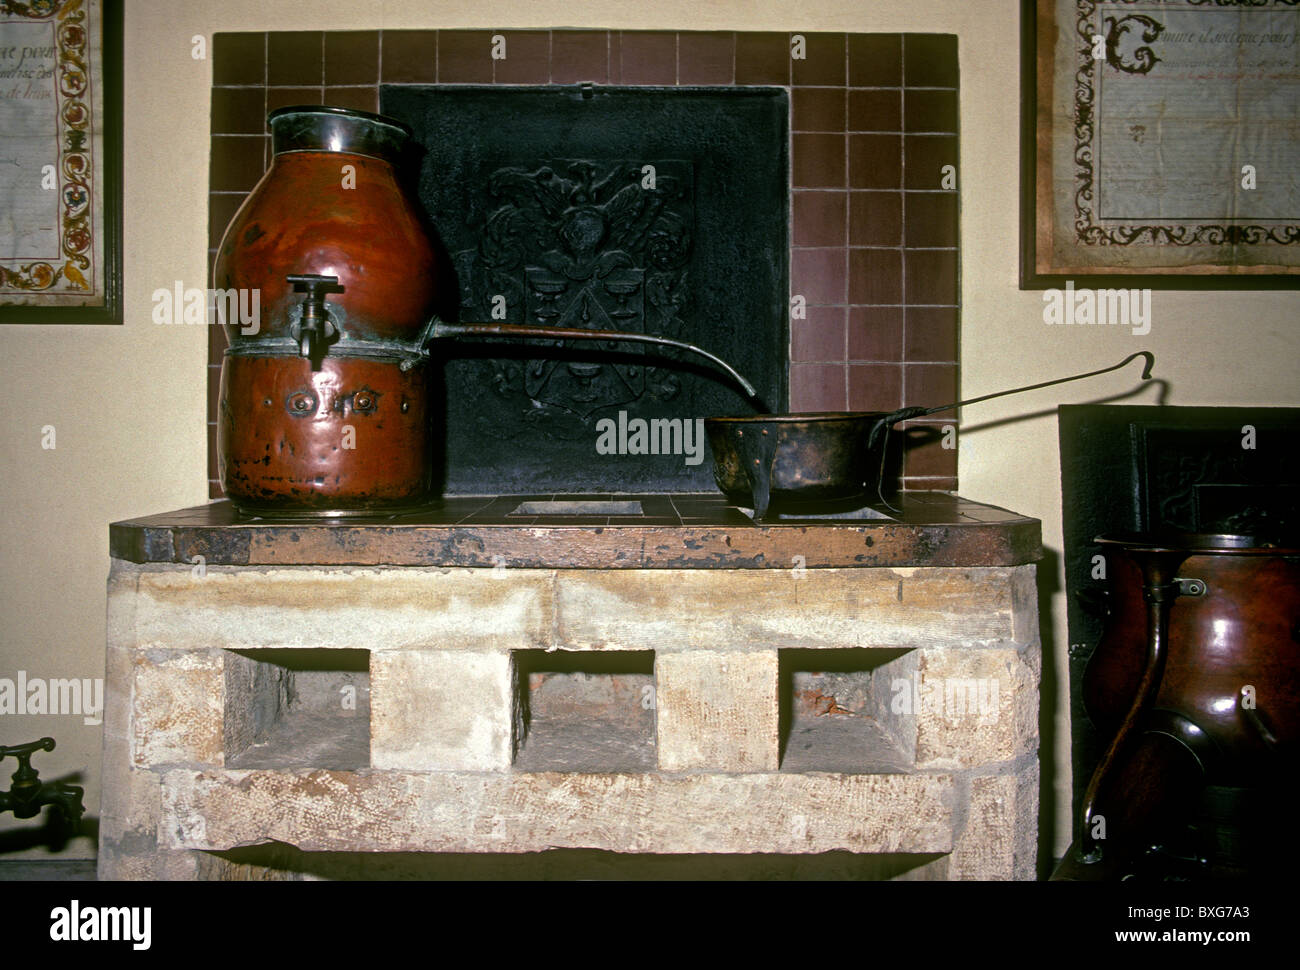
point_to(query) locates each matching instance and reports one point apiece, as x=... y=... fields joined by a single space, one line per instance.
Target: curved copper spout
x=440 y=328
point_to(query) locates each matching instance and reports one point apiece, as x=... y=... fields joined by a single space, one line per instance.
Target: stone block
x=717 y=711
x=975 y=707
x=999 y=837
x=178 y=708
x=325 y=811
x=441 y=711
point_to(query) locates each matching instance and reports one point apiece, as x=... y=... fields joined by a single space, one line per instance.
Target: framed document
x=60 y=161
x=1160 y=143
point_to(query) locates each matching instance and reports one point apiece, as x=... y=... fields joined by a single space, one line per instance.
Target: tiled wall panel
x=873 y=201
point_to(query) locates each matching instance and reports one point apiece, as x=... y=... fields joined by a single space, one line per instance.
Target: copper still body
x=323 y=406
x=1195 y=682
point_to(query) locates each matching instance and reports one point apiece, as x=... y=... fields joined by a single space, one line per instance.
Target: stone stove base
x=376 y=721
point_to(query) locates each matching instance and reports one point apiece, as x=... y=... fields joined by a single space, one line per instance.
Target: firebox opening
x=297 y=708
x=584 y=711
x=837 y=711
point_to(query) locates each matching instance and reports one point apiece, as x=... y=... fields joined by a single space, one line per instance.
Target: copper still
x=324 y=406
x=1194 y=680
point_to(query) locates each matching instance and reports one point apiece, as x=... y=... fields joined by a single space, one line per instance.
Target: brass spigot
x=28 y=795
x=314 y=329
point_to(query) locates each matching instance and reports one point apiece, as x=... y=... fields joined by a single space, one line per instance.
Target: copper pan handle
x=440 y=328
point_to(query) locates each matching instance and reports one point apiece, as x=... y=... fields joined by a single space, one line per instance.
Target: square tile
x=238 y=111
x=875 y=161
x=295 y=57
x=817 y=161
x=817 y=387
x=931 y=276
x=930 y=111
x=817 y=109
x=823 y=61
x=239 y=58
x=351 y=57
x=237 y=162
x=646 y=57
x=360 y=98
x=876 y=109
x=762 y=58
x=875 y=276
x=875 y=387
x=875 y=218
x=818 y=275
x=931 y=385
x=465 y=56
x=706 y=58
x=820 y=218
x=931 y=334
x=927 y=156
x=926 y=454
x=527 y=60
x=930 y=60
x=875 y=333
x=409 y=56
x=875 y=60
x=579 y=55
x=287 y=97
x=819 y=337
x=930 y=218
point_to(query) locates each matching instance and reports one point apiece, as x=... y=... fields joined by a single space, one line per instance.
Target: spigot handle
x=22 y=753
x=315 y=324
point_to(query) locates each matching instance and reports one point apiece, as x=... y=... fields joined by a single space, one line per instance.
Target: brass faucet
x=28 y=794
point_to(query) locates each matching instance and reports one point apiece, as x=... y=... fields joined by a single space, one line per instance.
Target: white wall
x=128 y=402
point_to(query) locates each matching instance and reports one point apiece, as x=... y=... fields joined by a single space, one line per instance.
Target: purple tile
x=875 y=387
x=817 y=161
x=931 y=334
x=875 y=218
x=238 y=111
x=465 y=56
x=239 y=58
x=295 y=57
x=579 y=55
x=930 y=111
x=930 y=60
x=875 y=161
x=875 y=60
x=818 y=275
x=820 y=337
x=706 y=58
x=931 y=276
x=876 y=109
x=817 y=387
x=875 y=276
x=351 y=57
x=762 y=58
x=647 y=57
x=927 y=157
x=931 y=218
x=527 y=60
x=823 y=61
x=409 y=56
x=875 y=333
x=820 y=218
x=817 y=109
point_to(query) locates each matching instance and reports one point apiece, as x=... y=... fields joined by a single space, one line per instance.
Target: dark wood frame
x=110 y=312
x=1030 y=278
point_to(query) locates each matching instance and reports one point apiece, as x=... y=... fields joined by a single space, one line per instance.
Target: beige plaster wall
x=127 y=402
